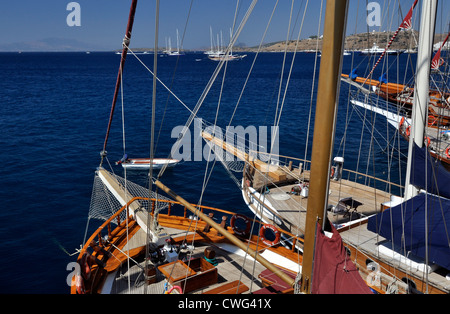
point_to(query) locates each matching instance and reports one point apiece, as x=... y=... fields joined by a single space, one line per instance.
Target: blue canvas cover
x=413 y=212
x=438 y=178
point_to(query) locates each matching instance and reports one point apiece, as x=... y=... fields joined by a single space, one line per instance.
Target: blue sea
x=54 y=113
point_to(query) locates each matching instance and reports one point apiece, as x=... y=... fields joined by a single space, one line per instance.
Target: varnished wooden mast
x=326 y=107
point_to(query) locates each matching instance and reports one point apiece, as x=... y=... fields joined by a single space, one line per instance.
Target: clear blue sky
x=103 y=22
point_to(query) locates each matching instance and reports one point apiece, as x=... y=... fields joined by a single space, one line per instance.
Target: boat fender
x=238 y=231
x=432 y=120
x=401 y=124
x=333 y=170
x=408 y=131
x=262 y=235
x=173 y=288
x=85 y=267
x=446 y=135
x=447 y=152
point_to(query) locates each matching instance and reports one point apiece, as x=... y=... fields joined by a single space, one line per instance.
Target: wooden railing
x=111 y=233
x=288 y=162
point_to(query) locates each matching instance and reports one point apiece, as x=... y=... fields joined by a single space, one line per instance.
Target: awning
x=437 y=180
x=404 y=225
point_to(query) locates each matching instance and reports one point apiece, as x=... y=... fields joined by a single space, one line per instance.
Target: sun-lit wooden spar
x=290 y=281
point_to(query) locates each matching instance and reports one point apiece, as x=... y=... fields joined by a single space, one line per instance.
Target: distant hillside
x=49 y=44
x=404 y=40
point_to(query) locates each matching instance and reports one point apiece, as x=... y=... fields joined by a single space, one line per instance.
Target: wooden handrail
x=347 y=170
x=373 y=178
x=106 y=224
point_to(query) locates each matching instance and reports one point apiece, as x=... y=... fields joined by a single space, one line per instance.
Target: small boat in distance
x=375 y=50
x=228 y=57
x=144 y=163
x=177 y=52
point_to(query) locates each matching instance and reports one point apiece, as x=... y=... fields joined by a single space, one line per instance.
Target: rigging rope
x=152 y=143
x=125 y=170
x=212 y=79
x=173 y=75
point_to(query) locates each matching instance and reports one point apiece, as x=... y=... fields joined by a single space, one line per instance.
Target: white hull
x=392 y=118
x=144 y=163
x=380 y=52
x=375 y=50
x=226 y=58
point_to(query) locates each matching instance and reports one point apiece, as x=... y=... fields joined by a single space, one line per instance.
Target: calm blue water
x=54 y=112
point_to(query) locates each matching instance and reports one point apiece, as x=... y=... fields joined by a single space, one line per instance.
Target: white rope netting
x=104 y=204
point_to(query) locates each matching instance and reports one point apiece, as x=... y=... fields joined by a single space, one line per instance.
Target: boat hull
x=144 y=163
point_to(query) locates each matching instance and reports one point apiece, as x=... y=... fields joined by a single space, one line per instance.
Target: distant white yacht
x=375 y=50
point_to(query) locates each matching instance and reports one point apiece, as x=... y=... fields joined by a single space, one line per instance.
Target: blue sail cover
x=389 y=225
x=438 y=178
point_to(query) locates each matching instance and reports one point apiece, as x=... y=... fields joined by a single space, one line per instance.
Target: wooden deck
x=116 y=257
x=279 y=206
x=290 y=208
x=229 y=269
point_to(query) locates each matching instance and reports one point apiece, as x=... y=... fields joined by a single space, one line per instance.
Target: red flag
x=334 y=272
x=407 y=22
x=437 y=61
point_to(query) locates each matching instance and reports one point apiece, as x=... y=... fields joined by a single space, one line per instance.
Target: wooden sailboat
x=171 y=251
x=275 y=193
x=148 y=246
x=403 y=95
x=400 y=99
x=398 y=112
x=439 y=109
x=186 y=252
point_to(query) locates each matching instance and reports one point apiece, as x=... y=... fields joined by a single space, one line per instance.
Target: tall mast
x=421 y=90
x=327 y=97
x=152 y=137
x=178 y=42
x=126 y=43
x=211 y=38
